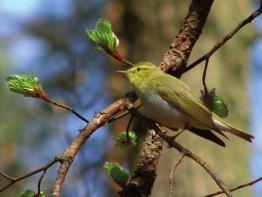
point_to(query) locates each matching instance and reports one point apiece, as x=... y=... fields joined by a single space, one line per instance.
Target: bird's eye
x=138 y=69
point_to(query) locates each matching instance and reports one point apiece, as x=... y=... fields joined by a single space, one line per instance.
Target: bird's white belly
x=156 y=108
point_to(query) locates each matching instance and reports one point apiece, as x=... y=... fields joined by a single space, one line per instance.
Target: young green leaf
x=31 y=193
x=27 y=85
x=214 y=103
x=122 y=141
x=117 y=173
x=219 y=107
x=103 y=35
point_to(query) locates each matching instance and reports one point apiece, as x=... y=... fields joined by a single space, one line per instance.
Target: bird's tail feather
x=208 y=135
x=223 y=126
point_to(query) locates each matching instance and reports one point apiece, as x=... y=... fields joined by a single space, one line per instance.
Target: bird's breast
x=161 y=111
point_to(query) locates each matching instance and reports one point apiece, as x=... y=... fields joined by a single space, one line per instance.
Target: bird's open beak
x=123 y=71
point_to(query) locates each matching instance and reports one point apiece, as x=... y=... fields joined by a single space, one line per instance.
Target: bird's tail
x=223 y=126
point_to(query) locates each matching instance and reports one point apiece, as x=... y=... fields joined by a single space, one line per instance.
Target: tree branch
x=15 y=180
x=236 y=188
x=172 y=143
x=226 y=38
x=177 y=55
x=67 y=157
x=67 y=108
x=172 y=174
x=204 y=78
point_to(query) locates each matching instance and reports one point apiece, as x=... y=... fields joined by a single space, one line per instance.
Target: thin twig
x=128 y=126
x=17 y=179
x=172 y=174
x=188 y=153
x=236 y=188
x=227 y=37
x=204 y=77
x=132 y=110
x=117 y=56
x=39 y=183
x=67 y=108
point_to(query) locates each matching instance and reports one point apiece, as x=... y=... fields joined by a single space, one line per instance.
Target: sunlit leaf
x=117 y=173
x=219 y=106
x=214 y=103
x=122 y=141
x=31 y=193
x=103 y=35
x=27 y=85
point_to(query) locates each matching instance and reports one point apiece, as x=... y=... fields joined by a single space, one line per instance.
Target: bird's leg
x=178 y=132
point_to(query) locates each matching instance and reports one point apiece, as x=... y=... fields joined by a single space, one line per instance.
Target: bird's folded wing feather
x=185 y=101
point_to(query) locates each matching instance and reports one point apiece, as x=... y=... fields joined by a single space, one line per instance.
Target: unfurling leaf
x=123 y=141
x=214 y=103
x=31 y=193
x=103 y=35
x=27 y=85
x=117 y=173
x=219 y=107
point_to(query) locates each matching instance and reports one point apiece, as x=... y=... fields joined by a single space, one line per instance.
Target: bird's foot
x=173 y=137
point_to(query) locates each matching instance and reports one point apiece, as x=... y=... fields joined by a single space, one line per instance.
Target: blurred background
x=46 y=38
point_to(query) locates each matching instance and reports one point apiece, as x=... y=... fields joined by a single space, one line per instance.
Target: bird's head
x=140 y=72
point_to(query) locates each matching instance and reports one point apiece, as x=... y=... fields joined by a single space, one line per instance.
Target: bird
x=170 y=102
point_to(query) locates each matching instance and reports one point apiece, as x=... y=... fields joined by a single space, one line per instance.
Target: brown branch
x=144 y=176
x=236 y=188
x=226 y=38
x=65 y=107
x=172 y=174
x=117 y=56
x=17 y=179
x=172 y=143
x=67 y=157
x=177 y=56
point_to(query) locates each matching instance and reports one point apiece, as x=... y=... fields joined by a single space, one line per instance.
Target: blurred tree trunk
x=146 y=28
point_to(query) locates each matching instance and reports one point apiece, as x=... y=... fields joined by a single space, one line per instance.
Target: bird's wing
x=176 y=96
x=168 y=79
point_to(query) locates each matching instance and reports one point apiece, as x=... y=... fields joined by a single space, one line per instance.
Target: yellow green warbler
x=170 y=102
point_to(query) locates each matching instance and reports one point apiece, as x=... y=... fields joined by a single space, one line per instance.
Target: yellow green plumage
x=170 y=102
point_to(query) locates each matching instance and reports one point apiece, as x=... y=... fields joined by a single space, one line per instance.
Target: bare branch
x=39 y=183
x=67 y=108
x=177 y=56
x=172 y=174
x=144 y=176
x=15 y=180
x=226 y=38
x=204 y=77
x=128 y=126
x=236 y=188
x=117 y=56
x=172 y=143
x=67 y=157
